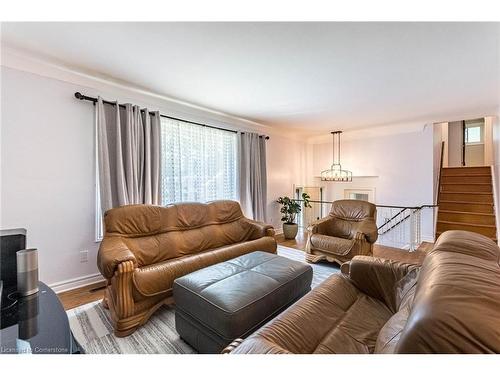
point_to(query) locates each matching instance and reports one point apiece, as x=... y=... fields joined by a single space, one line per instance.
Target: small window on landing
x=474 y=132
x=359 y=196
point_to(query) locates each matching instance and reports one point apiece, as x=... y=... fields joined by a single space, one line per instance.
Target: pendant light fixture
x=336 y=173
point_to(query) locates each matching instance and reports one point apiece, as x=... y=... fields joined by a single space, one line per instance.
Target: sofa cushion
x=333 y=245
x=175 y=244
x=155 y=234
x=335 y=317
x=390 y=333
x=159 y=278
x=350 y=209
x=145 y=220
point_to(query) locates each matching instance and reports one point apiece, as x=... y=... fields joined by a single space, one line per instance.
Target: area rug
x=91 y=324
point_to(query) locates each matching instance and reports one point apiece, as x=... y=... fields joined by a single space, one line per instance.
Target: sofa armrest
x=378 y=277
x=112 y=252
x=320 y=226
x=260 y=229
x=365 y=229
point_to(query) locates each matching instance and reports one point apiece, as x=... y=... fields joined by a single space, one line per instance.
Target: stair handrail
x=412 y=212
x=402 y=209
x=376 y=205
x=440 y=173
x=391 y=219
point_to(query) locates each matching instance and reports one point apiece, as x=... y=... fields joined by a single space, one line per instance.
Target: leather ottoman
x=220 y=303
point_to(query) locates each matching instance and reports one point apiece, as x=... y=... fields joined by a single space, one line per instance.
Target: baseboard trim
x=77 y=282
x=428 y=239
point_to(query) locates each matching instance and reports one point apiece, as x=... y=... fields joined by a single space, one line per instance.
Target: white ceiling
x=314 y=76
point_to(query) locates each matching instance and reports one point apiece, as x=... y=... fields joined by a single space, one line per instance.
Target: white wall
x=474 y=155
x=455 y=142
x=47 y=172
x=47 y=167
x=286 y=160
x=401 y=166
x=489 y=157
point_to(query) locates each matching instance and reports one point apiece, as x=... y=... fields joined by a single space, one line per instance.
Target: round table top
x=35 y=324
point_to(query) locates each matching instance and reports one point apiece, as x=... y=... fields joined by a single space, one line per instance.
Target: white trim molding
x=427 y=239
x=77 y=282
x=496 y=199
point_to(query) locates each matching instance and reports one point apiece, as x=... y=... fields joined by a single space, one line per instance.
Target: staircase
x=466 y=201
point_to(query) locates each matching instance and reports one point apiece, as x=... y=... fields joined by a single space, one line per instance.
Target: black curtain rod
x=80 y=96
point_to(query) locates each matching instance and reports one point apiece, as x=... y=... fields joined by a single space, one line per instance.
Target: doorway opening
x=316 y=211
x=473 y=144
x=467 y=143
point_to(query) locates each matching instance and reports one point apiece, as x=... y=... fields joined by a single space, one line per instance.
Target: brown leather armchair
x=145 y=248
x=349 y=230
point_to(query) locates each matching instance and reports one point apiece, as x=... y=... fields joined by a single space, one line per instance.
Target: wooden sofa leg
x=311 y=258
x=126 y=332
x=105 y=297
x=105 y=303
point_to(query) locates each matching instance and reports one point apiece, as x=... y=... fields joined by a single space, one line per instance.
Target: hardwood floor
x=80 y=296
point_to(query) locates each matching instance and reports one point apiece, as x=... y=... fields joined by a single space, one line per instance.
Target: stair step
x=466 y=217
x=494 y=239
x=466 y=196
x=485 y=230
x=472 y=187
x=460 y=171
x=462 y=206
x=466 y=179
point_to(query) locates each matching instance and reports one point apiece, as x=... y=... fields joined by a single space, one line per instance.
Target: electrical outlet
x=84 y=256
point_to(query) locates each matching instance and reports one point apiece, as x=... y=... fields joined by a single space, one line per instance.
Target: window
x=474 y=134
x=360 y=194
x=198 y=163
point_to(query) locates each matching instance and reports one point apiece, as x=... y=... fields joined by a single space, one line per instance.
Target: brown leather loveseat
x=451 y=304
x=350 y=229
x=145 y=248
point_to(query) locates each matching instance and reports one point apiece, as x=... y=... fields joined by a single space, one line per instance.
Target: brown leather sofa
x=347 y=231
x=451 y=304
x=145 y=248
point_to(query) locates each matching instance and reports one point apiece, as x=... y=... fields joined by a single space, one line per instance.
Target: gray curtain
x=128 y=155
x=253 y=175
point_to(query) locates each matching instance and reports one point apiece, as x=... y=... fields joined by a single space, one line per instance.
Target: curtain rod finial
x=78 y=95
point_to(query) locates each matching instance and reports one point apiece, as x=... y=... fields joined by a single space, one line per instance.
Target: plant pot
x=290 y=231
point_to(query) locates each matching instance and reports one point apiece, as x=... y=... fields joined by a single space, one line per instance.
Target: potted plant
x=289 y=210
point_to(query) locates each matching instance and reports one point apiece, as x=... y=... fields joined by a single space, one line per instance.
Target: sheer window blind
x=198 y=163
